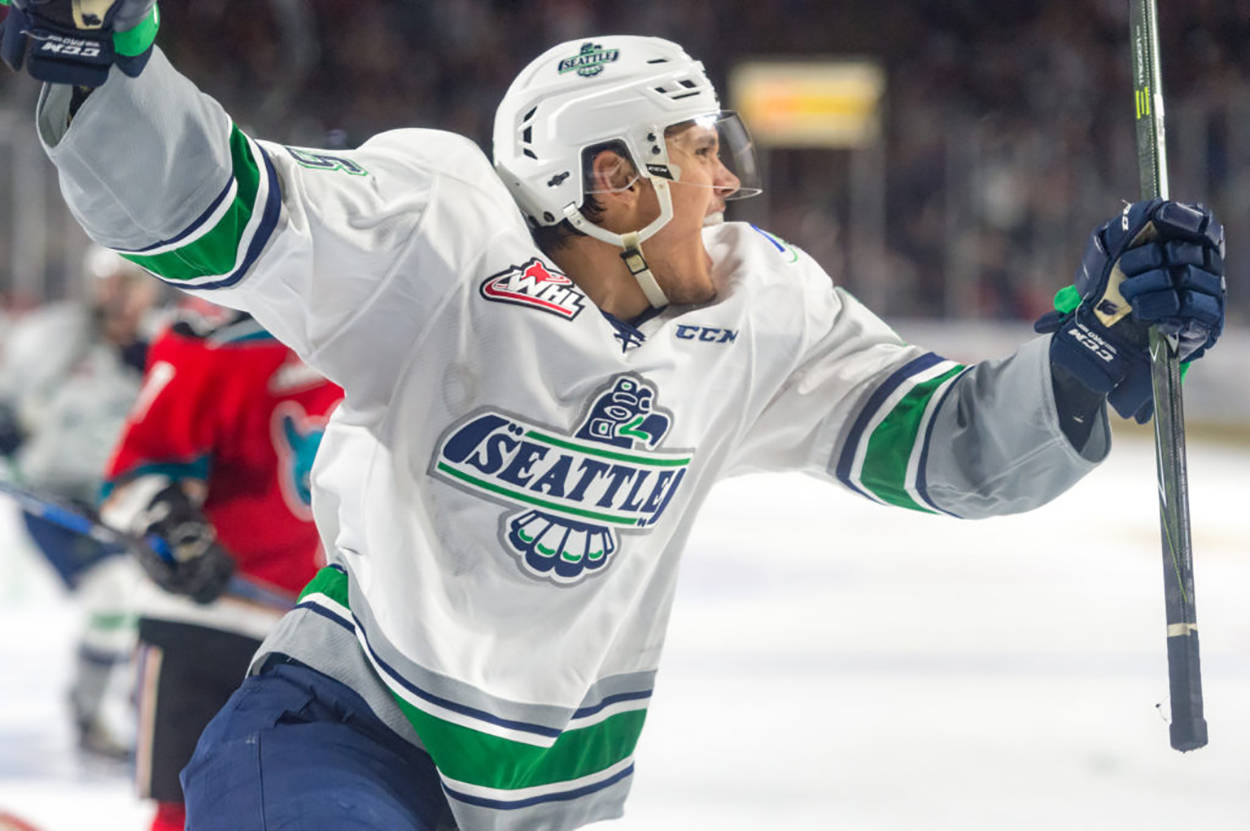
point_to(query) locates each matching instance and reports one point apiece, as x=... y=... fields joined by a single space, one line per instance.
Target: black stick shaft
x=1188 y=727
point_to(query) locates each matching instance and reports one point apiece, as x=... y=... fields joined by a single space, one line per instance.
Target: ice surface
x=835 y=664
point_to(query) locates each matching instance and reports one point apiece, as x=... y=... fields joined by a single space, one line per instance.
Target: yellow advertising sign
x=830 y=103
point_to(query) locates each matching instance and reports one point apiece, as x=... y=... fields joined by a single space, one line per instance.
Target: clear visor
x=712 y=151
x=715 y=151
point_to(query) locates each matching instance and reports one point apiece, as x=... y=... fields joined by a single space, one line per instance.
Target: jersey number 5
x=321 y=161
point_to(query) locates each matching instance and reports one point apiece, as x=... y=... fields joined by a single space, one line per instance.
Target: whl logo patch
x=572 y=495
x=536 y=286
x=589 y=61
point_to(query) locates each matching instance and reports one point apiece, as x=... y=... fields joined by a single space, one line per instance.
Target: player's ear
x=612 y=173
x=614 y=183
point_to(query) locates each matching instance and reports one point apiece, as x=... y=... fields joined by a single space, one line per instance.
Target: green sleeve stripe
x=137 y=40
x=486 y=760
x=891 y=444
x=331 y=582
x=214 y=249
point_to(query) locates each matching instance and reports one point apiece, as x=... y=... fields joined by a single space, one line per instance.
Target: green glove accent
x=138 y=40
x=1067 y=299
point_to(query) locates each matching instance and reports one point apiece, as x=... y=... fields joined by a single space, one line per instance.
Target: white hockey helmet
x=122 y=292
x=621 y=89
x=100 y=263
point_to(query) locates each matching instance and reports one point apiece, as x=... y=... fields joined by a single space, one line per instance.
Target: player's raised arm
x=1003 y=436
x=305 y=241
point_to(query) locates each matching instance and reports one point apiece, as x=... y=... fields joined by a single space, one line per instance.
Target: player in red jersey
x=213 y=466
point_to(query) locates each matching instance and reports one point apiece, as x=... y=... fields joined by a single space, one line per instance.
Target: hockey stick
x=77 y=521
x=1188 y=728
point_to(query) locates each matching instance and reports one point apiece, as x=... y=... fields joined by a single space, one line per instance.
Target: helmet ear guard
x=631 y=242
x=659 y=171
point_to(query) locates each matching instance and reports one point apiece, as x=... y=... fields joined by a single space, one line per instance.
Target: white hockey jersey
x=71 y=390
x=505 y=492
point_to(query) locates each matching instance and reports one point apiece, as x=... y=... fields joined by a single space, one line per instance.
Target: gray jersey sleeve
x=905 y=427
x=346 y=257
x=140 y=171
x=971 y=442
x=994 y=445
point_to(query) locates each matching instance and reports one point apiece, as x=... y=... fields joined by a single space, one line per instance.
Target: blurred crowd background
x=1008 y=127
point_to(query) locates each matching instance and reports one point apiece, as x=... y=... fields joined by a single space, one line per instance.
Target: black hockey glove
x=182 y=555
x=76 y=41
x=1157 y=263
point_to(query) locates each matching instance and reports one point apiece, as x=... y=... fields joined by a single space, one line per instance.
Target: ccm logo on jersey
x=537 y=286
x=707 y=334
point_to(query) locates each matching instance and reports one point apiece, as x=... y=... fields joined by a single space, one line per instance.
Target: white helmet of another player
x=122 y=294
x=622 y=91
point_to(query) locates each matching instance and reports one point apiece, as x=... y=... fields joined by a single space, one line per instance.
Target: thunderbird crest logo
x=571 y=495
x=590 y=61
x=537 y=286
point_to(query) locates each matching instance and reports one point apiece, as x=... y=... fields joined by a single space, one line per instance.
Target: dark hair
x=554 y=237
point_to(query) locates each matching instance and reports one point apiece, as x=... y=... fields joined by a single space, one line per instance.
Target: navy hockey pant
x=295 y=749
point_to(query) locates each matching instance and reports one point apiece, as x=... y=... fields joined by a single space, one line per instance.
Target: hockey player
x=538 y=400
x=70 y=372
x=214 y=460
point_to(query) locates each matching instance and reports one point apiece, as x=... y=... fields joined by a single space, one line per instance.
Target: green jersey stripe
x=215 y=251
x=490 y=761
x=331 y=582
x=591 y=450
x=916 y=480
x=885 y=471
x=521 y=496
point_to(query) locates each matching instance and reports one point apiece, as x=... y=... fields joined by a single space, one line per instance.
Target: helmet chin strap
x=631 y=242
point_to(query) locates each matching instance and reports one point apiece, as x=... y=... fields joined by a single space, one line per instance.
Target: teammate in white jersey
x=69 y=373
x=534 y=410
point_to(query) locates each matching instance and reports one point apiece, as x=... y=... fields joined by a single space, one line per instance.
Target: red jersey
x=225 y=403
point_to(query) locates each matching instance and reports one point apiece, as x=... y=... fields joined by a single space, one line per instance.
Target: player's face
x=123 y=299
x=676 y=253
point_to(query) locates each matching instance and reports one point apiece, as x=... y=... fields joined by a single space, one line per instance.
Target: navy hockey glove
x=1157 y=263
x=182 y=555
x=76 y=41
